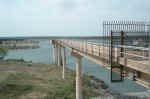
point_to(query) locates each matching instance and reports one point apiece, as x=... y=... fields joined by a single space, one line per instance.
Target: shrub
x=3 y=51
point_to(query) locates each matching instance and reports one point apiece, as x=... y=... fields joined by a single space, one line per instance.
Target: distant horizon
x=48 y=37
x=66 y=17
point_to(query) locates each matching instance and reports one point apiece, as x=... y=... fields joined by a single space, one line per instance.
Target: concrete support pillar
x=78 y=78
x=54 y=54
x=59 y=55
x=64 y=63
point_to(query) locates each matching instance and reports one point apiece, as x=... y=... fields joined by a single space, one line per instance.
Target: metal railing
x=95 y=49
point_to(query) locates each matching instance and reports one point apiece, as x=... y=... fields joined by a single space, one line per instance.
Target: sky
x=66 y=17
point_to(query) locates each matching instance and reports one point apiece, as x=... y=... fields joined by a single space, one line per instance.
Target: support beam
x=59 y=55
x=78 y=77
x=78 y=73
x=54 y=54
x=64 y=63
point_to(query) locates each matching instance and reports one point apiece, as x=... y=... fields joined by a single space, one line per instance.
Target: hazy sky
x=66 y=17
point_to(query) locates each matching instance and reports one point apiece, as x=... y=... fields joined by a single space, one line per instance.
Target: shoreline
x=92 y=86
x=20 y=44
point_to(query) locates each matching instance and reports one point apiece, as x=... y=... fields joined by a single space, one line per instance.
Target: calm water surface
x=44 y=54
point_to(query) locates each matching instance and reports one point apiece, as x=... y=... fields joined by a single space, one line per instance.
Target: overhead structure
x=117 y=34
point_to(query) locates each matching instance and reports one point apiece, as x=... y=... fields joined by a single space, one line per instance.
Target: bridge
x=125 y=65
x=118 y=50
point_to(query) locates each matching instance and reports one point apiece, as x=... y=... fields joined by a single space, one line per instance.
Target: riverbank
x=43 y=55
x=20 y=44
x=27 y=80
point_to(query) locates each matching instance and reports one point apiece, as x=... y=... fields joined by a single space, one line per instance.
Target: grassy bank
x=23 y=80
x=3 y=51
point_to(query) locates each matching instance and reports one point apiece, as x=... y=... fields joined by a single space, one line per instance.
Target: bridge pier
x=78 y=77
x=78 y=74
x=64 y=63
x=54 y=54
x=58 y=55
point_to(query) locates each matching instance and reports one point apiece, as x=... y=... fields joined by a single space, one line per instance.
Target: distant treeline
x=20 y=44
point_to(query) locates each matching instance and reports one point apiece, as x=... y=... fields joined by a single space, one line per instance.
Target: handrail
x=123 y=46
x=135 y=55
x=133 y=47
x=80 y=47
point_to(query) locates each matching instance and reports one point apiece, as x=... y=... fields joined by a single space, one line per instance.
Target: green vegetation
x=20 y=81
x=15 y=60
x=3 y=51
x=13 y=86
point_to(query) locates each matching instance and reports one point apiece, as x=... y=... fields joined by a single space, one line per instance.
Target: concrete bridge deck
x=99 y=54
